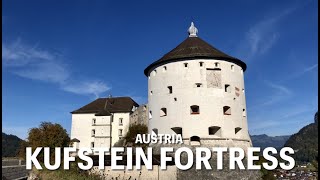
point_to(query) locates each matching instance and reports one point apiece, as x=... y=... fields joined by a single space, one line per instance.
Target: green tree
x=46 y=135
x=132 y=133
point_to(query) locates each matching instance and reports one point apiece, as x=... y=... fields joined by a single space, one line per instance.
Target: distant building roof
x=106 y=106
x=194 y=48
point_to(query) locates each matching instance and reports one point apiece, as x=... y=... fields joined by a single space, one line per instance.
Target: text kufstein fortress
x=236 y=156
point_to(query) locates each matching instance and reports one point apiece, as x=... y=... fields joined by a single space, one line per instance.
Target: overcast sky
x=60 y=55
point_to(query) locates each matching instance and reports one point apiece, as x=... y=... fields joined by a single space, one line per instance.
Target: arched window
x=163 y=112
x=195 y=140
x=244 y=114
x=226 y=110
x=215 y=130
x=194 y=109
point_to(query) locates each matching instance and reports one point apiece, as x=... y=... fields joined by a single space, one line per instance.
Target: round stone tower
x=198 y=91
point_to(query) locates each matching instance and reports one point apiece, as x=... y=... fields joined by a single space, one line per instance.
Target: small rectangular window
x=226 y=110
x=215 y=130
x=201 y=64
x=185 y=65
x=198 y=85
x=120 y=132
x=237 y=129
x=163 y=112
x=227 y=88
x=120 y=121
x=170 y=89
x=155 y=130
x=194 y=109
x=93 y=121
x=92 y=144
x=93 y=132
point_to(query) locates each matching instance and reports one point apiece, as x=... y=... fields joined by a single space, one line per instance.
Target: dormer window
x=164 y=68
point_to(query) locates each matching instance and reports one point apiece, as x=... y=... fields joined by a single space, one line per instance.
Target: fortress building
x=198 y=91
x=102 y=122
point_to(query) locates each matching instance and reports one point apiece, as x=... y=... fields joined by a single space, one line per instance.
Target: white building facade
x=101 y=123
x=198 y=91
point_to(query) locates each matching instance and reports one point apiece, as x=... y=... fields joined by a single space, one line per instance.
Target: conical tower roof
x=194 y=48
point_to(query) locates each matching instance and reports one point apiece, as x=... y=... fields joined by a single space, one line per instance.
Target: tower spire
x=193 y=31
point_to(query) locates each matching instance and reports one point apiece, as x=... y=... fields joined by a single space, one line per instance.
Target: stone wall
x=140 y=115
x=144 y=174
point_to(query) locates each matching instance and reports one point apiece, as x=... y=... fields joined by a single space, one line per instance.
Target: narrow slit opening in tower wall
x=227 y=88
x=170 y=89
